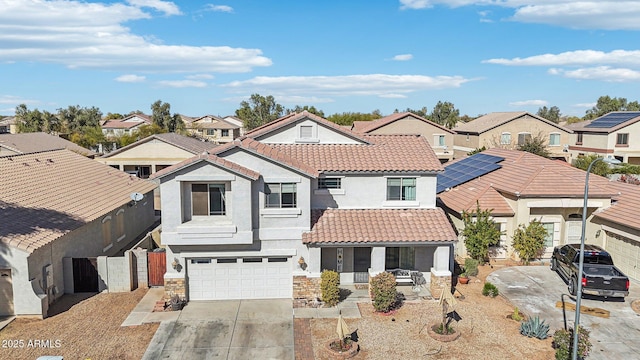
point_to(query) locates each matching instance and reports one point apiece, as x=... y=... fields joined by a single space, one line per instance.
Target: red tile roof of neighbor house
x=48 y=194
x=363 y=226
x=495 y=119
x=383 y=153
x=523 y=175
x=369 y=126
x=186 y=143
x=213 y=159
x=120 y=124
x=34 y=142
x=293 y=117
x=624 y=208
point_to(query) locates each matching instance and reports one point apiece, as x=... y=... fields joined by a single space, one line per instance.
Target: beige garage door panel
x=6 y=292
x=625 y=253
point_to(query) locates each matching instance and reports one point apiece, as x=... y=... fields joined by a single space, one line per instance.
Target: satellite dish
x=136 y=196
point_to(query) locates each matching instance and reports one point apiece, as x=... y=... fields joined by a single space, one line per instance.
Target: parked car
x=600 y=277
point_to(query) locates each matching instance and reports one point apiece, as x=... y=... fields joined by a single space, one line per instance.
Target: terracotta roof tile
x=36 y=142
x=186 y=143
x=368 y=126
x=624 y=210
x=379 y=226
x=495 y=119
x=48 y=194
x=213 y=159
x=401 y=153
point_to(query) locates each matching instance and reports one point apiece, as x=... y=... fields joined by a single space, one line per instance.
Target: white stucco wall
x=321 y=135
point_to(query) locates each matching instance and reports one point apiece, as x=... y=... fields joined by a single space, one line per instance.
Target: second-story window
x=225 y=132
x=281 y=195
x=554 y=139
x=505 y=138
x=208 y=199
x=579 y=139
x=439 y=140
x=329 y=183
x=401 y=189
x=622 y=139
x=211 y=132
x=523 y=138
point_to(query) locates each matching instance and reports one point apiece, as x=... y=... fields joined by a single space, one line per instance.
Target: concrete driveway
x=238 y=329
x=536 y=289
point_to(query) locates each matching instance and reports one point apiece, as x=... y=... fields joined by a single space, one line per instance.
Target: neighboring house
x=518 y=188
x=507 y=130
x=24 y=143
x=214 y=129
x=126 y=125
x=616 y=134
x=235 y=121
x=8 y=125
x=439 y=137
x=59 y=211
x=262 y=216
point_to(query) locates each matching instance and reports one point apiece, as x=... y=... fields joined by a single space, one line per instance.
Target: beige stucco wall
x=154 y=152
x=411 y=125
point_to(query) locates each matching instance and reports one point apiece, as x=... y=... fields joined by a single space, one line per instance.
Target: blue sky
x=205 y=57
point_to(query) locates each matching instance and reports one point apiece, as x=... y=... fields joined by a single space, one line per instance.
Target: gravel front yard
x=90 y=329
x=486 y=332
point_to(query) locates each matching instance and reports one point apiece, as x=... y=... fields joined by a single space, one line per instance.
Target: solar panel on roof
x=467 y=169
x=613 y=119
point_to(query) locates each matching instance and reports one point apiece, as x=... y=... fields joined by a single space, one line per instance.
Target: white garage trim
x=625 y=253
x=247 y=277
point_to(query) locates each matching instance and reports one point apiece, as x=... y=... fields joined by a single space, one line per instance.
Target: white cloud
x=402 y=57
x=182 y=83
x=585 y=105
x=578 y=57
x=393 y=96
x=167 y=7
x=219 y=8
x=347 y=85
x=529 y=103
x=15 y=100
x=130 y=78
x=200 y=77
x=92 y=35
x=603 y=73
x=414 y=4
x=303 y=99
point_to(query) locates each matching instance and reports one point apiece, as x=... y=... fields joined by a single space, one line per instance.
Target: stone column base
x=174 y=286
x=439 y=280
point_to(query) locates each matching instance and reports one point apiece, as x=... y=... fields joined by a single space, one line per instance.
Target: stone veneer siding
x=174 y=287
x=306 y=288
x=437 y=284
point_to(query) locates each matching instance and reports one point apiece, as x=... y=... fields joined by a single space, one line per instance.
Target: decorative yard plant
x=528 y=241
x=489 y=290
x=329 y=285
x=479 y=233
x=383 y=291
x=471 y=267
x=563 y=343
x=516 y=315
x=535 y=328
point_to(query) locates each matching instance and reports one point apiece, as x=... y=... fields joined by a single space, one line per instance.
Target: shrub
x=329 y=281
x=383 y=291
x=489 y=290
x=563 y=343
x=479 y=233
x=534 y=328
x=471 y=267
x=516 y=315
x=528 y=241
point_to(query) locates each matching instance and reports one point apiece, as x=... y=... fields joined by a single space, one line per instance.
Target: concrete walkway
x=143 y=312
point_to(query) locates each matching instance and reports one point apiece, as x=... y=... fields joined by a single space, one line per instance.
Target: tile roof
x=8 y=120
x=186 y=143
x=585 y=126
x=213 y=159
x=48 y=194
x=293 y=117
x=624 y=210
x=121 y=124
x=383 y=153
x=363 y=226
x=495 y=119
x=368 y=126
x=35 y=142
x=526 y=175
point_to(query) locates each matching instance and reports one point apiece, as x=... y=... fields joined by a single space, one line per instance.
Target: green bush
x=383 y=291
x=529 y=241
x=329 y=282
x=489 y=290
x=563 y=343
x=479 y=233
x=471 y=267
x=535 y=328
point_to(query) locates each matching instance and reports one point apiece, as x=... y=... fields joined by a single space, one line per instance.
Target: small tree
x=329 y=285
x=528 y=241
x=536 y=145
x=479 y=233
x=383 y=291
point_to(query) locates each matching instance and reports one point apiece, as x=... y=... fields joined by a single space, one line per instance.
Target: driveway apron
x=233 y=329
x=536 y=289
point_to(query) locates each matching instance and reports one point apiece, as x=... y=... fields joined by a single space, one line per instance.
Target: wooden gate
x=157 y=263
x=85 y=275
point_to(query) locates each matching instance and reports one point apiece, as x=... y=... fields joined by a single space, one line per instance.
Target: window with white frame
x=622 y=139
x=401 y=189
x=211 y=132
x=208 y=199
x=548 y=239
x=306 y=131
x=329 y=183
x=225 y=132
x=524 y=138
x=439 y=140
x=280 y=195
x=505 y=138
x=554 y=139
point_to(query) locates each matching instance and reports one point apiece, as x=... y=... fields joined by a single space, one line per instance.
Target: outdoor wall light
x=176 y=264
x=302 y=263
x=598 y=233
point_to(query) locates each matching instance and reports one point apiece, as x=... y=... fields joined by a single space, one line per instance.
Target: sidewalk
x=143 y=312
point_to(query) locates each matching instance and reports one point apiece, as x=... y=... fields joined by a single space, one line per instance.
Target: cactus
x=534 y=328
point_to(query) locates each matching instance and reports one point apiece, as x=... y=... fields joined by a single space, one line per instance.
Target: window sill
x=280 y=212
x=622 y=145
x=401 y=203
x=329 y=192
x=307 y=140
x=578 y=143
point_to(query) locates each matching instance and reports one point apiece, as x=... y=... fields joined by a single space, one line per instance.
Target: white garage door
x=625 y=253
x=240 y=278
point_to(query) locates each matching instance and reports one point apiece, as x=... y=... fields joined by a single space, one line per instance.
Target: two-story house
x=215 y=129
x=262 y=216
x=126 y=125
x=616 y=134
x=508 y=130
x=439 y=137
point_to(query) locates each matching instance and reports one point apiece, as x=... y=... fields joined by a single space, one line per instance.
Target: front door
x=574 y=231
x=361 y=264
